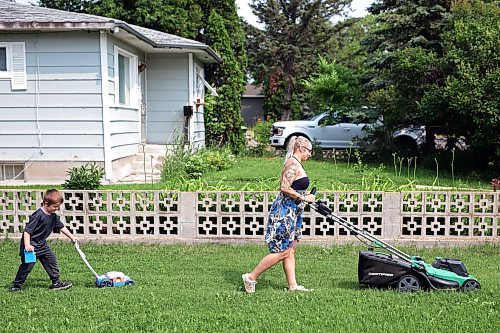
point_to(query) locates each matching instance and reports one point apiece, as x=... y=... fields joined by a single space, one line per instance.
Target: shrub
x=185 y=163
x=85 y=177
x=262 y=131
x=260 y=147
x=221 y=159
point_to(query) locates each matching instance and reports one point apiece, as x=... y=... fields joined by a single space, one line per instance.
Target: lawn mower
x=399 y=270
x=110 y=279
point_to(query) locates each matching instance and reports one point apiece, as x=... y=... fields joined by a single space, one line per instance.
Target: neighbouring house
x=77 y=88
x=252 y=103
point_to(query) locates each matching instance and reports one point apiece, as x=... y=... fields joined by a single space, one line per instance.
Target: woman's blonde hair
x=295 y=142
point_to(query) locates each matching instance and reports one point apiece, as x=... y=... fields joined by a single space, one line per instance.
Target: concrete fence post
x=392 y=215
x=187 y=215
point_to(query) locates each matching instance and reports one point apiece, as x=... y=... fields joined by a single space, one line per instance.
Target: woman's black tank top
x=300 y=184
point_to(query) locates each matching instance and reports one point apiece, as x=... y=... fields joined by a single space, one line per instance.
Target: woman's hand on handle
x=309 y=198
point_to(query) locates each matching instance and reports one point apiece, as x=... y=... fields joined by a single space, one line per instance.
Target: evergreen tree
x=287 y=49
x=437 y=65
x=223 y=116
x=405 y=49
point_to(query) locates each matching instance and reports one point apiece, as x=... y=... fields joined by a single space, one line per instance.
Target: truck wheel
x=406 y=147
x=471 y=285
x=408 y=283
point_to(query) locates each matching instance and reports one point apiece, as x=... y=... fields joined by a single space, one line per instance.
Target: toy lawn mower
x=398 y=269
x=110 y=279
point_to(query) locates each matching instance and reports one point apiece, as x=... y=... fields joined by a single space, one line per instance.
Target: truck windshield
x=316 y=116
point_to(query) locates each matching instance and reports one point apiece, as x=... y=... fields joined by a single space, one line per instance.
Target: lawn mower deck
x=110 y=279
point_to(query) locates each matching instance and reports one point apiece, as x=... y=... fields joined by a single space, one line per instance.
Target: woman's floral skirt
x=284 y=224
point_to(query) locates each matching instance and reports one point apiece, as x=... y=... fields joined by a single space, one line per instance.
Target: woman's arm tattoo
x=290 y=172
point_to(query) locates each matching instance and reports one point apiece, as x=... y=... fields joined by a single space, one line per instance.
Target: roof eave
x=137 y=34
x=110 y=26
x=61 y=26
x=205 y=48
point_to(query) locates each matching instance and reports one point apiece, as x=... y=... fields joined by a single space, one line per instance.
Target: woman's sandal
x=249 y=285
x=300 y=288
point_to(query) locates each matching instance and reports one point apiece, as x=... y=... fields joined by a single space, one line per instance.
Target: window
x=126 y=78
x=13 y=64
x=3 y=59
x=9 y=171
x=123 y=79
x=200 y=84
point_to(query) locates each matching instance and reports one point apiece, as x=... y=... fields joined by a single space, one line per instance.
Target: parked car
x=340 y=131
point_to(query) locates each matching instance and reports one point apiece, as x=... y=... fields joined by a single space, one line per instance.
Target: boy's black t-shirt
x=40 y=226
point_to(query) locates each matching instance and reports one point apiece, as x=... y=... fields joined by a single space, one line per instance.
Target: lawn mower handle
x=84 y=258
x=324 y=210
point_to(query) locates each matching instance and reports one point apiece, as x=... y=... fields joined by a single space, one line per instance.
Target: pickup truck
x=339 y=131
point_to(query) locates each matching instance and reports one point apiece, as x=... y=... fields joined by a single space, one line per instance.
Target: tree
x=346 y=45
x=404 y=54
x=286 y=50
x=334 y=87
x=223 y=116
x=470 y=89
x=439 y=67
x=67 y=5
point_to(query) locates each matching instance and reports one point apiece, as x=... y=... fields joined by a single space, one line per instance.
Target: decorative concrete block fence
x=161 y=216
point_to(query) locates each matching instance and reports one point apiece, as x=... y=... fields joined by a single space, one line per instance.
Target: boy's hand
x=29 y=248
x=75 y=240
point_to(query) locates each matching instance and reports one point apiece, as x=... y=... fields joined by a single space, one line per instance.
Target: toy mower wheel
x=106 y=284
x=471 y=285
x=408 y=283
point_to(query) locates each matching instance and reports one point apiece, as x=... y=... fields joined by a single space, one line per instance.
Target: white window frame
x=133 y=78
x=200 y=84
x=16 y=65
x=8 y=54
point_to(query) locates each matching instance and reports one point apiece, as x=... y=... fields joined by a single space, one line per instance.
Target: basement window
x=11 y=171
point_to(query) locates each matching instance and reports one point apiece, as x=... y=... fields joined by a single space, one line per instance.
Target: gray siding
x=167 y=93
x=67 y=66
x=125 y=127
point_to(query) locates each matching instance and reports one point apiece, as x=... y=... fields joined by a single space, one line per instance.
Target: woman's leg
x=267 y=262
x=289 y=267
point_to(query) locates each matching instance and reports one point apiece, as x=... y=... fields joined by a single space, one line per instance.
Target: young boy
x=40 y=225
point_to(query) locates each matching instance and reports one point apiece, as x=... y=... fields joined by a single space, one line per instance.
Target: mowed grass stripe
x=198 y=288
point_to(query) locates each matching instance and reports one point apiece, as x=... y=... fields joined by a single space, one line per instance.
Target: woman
x=285 y=217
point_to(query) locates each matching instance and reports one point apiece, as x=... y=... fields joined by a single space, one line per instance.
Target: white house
x=78 y=88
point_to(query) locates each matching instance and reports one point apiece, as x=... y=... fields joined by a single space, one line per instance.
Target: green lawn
x=327 y=175
x=198 y=288
x=262 y=174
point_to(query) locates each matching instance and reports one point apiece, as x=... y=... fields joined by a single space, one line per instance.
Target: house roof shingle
x=19 y=17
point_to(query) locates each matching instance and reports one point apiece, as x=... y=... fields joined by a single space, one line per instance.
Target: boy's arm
x=27 y=242
x=68 y=234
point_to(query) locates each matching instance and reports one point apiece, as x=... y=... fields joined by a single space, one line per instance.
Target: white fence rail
x=159 y=216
